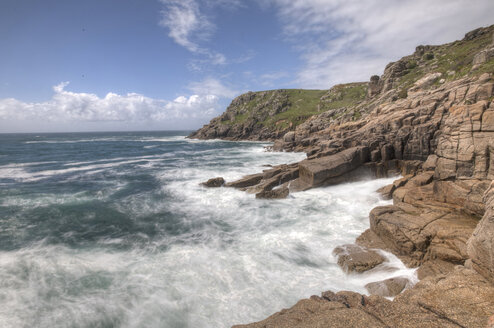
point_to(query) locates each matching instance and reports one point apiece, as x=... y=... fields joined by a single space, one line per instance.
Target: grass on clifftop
x=302 y=104
x=306 y=103
x=453 y=60
x=299 y=105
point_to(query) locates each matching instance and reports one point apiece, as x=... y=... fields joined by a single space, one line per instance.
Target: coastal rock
x=322 y=171
x=481 y=244
x=426 y=81
x=389 y=287
x=387 y=191
x=247 y=181
x=440 y=137
x=432 y=268
x=278 y=193
x=214 y=182
x=461 y=299
x=354 y=258
x=423 y=233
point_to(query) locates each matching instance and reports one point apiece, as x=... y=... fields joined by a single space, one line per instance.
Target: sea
x=115 y=230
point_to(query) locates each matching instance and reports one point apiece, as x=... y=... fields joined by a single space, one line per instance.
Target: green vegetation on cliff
x=287 y=108
x=453 y=60
x=269 y=115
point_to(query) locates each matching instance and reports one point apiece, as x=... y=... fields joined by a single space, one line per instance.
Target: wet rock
x=214 y=182
x=389 y=287
x=354 y=258
x=247 y=181
x=387 y=191
x=278 y=193
x=322 y=170
x=461 y=299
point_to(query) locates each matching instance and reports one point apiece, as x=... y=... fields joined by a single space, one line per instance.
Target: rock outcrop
x=389 y=287
x=481 y=244
x=354 y=258
x=430 y=118
x=461 y=299
x=214 y=182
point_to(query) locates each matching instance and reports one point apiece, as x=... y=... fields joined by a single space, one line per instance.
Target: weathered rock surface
x=460 y=299
x=321 y=171
x=214 y=182
x=481 y=244
x=277 y=193
x=355 y=258
x=389 y=287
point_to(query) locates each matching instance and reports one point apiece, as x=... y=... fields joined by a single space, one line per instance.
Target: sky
x=108 y=65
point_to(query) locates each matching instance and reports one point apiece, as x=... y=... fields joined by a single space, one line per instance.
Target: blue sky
x=174 y=64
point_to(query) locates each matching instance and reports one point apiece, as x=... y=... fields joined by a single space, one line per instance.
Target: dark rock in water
x=356 y=258
x=278 y=193
x=247 y=181
x=389 y=287
x=214 y=182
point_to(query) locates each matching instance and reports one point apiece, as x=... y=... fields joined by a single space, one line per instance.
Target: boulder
x=389 y=287
x=247 y=181
x=321 y=171
x=355 y=258
x=214 y=182
x=278 y=193
x=289 y=137
x=426 y=81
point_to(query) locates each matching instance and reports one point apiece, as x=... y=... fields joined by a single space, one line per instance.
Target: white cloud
x=185 y=22
x=349 y=40
x=212 y=86
x=67 y=106
x=188 y=26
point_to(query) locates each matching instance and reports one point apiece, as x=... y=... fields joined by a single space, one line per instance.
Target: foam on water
x=139 y=243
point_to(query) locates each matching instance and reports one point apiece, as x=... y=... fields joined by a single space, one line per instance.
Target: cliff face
x=268 y=115
x=430 y=117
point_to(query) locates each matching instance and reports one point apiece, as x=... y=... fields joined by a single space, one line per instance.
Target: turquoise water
x=113 y=230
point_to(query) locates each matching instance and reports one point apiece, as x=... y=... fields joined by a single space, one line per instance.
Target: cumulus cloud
x=67 y=106
x=349 y=40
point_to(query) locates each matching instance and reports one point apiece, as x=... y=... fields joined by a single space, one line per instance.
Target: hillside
x=267 y=115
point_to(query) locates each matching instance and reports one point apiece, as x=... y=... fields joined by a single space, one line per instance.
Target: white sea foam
x=238 y=260
x=22 y=175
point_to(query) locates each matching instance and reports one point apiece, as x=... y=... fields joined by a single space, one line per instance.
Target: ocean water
x=114 y=230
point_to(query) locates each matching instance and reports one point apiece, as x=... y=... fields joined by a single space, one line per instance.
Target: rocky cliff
x=268 y=115
x=430 y=118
